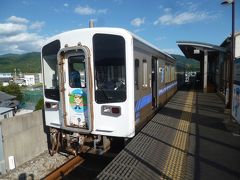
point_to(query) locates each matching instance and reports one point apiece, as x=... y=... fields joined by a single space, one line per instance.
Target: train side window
x=145 y=75
x=160 y=70
x=173 y=76
x=166 y=74
x=170 y=73
x=136 y=73
x=50 y=70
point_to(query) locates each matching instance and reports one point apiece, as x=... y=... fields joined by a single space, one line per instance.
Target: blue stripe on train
x=143 y=102
x=148 y=98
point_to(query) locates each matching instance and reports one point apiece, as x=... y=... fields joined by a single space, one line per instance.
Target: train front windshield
x=110 y=68
x=49 y=55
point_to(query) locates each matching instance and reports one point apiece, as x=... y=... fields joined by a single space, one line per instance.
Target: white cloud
x=167 y=10
x=38 y=25
x=160 y=38
x=25 y=3
x=86 y=10
x=21 y=43
x=182 y=18
x=160 y=7
x=102 y=11
x=22 y=37
x=11 y=28
x=15 y=37
x=191 y=6
x=139 y=30
x=183 y=13
x=138 y=21
x=65 y=4
x=15 y=19
x=56 y=10
x=165 y=19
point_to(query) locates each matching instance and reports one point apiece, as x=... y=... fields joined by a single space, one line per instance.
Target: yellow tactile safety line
x=174 y=166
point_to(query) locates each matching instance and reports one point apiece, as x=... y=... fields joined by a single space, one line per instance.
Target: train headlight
x=51 y=106
x=111 y=110
x=106 y=109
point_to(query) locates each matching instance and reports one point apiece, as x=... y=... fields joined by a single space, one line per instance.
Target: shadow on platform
x=217 y=151
x=210 y=149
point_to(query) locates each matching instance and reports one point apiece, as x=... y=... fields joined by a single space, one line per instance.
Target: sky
x=26 y=24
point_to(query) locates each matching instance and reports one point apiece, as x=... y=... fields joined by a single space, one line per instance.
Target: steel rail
x=64 y=169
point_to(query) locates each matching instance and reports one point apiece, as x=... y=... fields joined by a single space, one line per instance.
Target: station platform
x=187 y=139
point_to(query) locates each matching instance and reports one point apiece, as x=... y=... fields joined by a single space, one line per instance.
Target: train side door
x=154 y=82
x=74 y=83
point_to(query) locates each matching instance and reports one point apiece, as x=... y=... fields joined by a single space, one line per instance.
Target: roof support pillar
x=205 y=70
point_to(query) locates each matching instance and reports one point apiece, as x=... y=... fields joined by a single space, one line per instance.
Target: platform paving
x=187 y=139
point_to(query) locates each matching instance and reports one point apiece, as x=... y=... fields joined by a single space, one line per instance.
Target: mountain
x=190 y=64
x=31 y=62
x=26 y=63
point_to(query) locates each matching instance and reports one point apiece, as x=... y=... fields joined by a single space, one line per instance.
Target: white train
x=101 y=83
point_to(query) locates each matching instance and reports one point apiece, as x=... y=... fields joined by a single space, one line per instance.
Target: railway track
x=64 y=169
x=86 y=165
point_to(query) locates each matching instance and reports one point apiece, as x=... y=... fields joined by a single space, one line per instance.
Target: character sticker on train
x=78 y=101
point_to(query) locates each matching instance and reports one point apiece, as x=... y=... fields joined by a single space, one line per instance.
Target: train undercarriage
x=75 y=143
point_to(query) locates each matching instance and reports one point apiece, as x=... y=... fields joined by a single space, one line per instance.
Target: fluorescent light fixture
x=196 y=51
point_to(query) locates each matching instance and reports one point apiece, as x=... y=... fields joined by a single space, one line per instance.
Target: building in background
x=38 y=78
x=22 y=79
x=5 y=78
x=29 y=79
x=6 y=112
x=20 y=82
x=8 y=101
x=32 y=79
x=6 y=75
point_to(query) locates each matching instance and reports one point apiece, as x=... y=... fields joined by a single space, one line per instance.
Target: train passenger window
x=173 y=76
x=109 y=68
x=162 y=73
x=77 y=75
x=136 y=73
x=167 y=73
x=145 y=75
x=170 y=73
x=50 y=70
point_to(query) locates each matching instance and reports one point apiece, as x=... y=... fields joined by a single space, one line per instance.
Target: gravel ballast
x=36 y=168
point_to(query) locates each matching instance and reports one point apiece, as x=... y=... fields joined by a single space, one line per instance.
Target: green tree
x=39 y=104
x=12 y=89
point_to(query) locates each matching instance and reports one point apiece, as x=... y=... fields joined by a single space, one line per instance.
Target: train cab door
x=154 y=82
x=74 y=87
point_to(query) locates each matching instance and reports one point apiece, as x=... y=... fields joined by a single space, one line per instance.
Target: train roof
x=151 y=45
x=108 y=30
